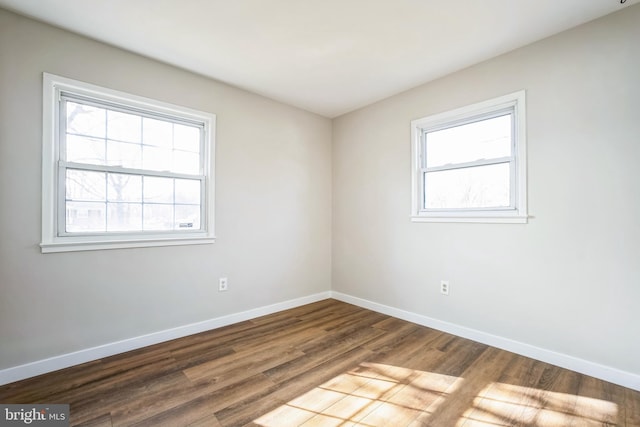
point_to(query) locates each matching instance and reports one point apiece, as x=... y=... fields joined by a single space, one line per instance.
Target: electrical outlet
x=444 y=287
x=223 y=284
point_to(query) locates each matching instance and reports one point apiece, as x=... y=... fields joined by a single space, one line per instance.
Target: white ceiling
x=325 y=56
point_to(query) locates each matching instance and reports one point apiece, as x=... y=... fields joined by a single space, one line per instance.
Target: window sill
x=96 y=245
x=479 y=219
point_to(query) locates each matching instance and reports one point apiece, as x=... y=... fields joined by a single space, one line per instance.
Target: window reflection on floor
x=505 y=405
x=376 y=394
x=371 y=395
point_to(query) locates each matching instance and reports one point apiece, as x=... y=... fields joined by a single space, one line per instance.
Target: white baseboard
x=606 y=373
x=55 y=363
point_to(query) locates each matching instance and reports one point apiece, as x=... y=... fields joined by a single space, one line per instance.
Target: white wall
x=569 y=281
x=273 y=207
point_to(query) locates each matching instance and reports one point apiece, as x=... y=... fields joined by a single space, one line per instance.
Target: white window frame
x=513 y=103
x=54 y=238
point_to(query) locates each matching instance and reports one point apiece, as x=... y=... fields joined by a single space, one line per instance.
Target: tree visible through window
x=469 y=164
x=128 y=169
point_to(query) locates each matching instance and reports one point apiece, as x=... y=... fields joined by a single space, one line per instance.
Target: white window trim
x=517 y=214
x=52 y=242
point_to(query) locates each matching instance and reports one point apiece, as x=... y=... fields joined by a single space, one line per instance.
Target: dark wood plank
x=631 y=408
x=327 y=363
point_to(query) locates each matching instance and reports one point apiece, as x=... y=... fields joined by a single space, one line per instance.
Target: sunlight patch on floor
x=373 y=394
x=501 y=404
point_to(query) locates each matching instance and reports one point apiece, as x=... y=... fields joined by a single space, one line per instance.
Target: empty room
x=339 y=213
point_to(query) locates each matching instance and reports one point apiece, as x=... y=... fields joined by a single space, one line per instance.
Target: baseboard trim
x=606 y=373
x=55 y=363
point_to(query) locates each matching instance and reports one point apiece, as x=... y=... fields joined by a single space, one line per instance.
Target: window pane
x=86 y=120
x=124 y=154
x=85 y=185
x=475 y=187
x=187 y=217
x=124 y=188
x=158 y=190
x=124 y=217
x=157 y=132
x=186 y=138
x=188 y=191
x=156 y=158
x=85 y=150
x=186 y=162
x=123 y=126
x=158 y=217
x=485 y=139
x=85 y=216
x=123 y=171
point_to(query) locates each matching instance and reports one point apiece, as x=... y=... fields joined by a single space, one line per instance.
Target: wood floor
x=327 y=364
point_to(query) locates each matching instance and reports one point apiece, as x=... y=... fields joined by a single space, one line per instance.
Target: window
x=123 y=171
x=469 y=164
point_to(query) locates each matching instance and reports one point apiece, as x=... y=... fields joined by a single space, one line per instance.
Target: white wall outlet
x=223 y=284
x=444 y=287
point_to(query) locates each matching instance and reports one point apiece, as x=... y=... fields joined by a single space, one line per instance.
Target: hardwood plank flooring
x=327 y=364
